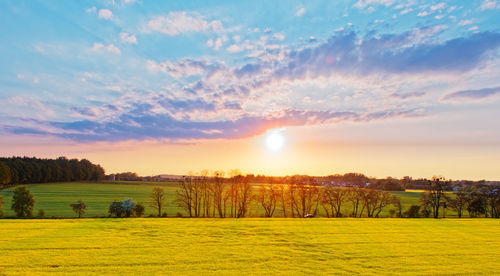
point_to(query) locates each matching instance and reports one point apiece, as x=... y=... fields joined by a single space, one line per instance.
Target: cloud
x=217 y=43
x=141 y=124
x=465 y=22
x=213 y=99
x=364 y=3
x=181 y=68
x=300 y=12
x=279 y=36
x=128 y=38
x=472 y=94
x=394 y=54
x=489 y=5
x=92 y=9
x=405 y=11
x=407 y=95
x=439 y=6
x=105 y=14
x=234 y=48
x=110 y=48
x=424 y=13
x=176 y=23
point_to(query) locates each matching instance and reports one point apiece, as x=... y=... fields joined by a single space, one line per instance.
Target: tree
x=332 y=200
x=139 y=210
x=435 y=190
x=267 y=197
x=157 y=199
x=1 y=206
x=458 y=204
x=79 y=208
x=23 y=202
x=116 y=208
x=5 y=174
x=476 y=204
x=128 y=207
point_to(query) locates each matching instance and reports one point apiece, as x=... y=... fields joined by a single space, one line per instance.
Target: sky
x=380 y=87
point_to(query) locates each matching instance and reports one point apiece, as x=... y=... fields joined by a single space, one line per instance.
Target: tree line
x=478 y=200
x=27 y=170
x=216 y=196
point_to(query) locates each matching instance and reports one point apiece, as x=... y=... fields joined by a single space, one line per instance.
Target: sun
x=275 y=141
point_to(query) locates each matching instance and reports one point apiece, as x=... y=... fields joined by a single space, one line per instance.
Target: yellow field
x=250 y=246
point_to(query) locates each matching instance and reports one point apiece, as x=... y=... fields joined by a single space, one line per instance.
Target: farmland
x=254 y=246
x=55 y=198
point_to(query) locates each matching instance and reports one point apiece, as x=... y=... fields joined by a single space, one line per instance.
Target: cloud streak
x=175 y=23
x=472 y=94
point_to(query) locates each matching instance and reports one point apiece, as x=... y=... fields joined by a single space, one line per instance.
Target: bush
x=164 y=215
x=116 y=208
x=41 y=213
x=128 y=207
x=179 y=215
x=119 y=208
x=412 y=212
x=139 y=210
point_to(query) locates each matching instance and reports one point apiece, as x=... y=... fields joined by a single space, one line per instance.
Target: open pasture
x=250 y=246
x=55 y=198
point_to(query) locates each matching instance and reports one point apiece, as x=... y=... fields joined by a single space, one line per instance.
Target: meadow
x=254 y=246
x=55 y=198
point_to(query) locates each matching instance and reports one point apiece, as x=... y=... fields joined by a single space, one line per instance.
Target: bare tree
x=355 y=197
x=282 y=194
x=157 y=199
x=185 y=195
x=268 y=197
x=459 y=203
x=332 y=199
x=435 y=190
x=244 y=197
x=218 y=188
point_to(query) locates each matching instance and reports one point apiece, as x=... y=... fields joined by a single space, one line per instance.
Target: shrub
x=41 y=213
x=119 y=208
x=179 y=215
x=164 y=215
x=412 y=212
x=139 y=210
x=116 y=208
x=128 y=207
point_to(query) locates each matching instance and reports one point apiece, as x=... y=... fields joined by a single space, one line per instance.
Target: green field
x=55 y=198
x=180 y=246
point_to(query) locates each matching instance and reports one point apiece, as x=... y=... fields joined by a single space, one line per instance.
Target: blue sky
x=176 y=71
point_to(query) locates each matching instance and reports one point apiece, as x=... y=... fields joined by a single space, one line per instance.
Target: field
x=251 y=246
x=55 y=198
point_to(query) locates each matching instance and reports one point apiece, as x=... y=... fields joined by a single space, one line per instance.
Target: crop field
x=250 y=246
x=55 y=198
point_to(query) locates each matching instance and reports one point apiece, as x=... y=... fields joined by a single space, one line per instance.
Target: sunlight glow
x=275 y=141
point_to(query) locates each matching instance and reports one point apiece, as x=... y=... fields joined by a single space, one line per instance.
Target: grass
x=55 y=198
x=250 y=246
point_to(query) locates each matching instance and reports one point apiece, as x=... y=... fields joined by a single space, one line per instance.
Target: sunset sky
x=380 y=87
